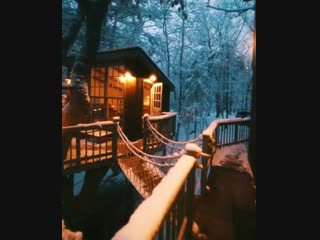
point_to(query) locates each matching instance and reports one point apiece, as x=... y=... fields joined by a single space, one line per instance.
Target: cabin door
x=156 y=99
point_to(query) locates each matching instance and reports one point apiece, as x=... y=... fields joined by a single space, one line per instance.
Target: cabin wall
x=134 y=105
x=133 y=109
x=165 y=99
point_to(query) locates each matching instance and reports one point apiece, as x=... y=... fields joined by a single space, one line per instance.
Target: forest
x=205 y=47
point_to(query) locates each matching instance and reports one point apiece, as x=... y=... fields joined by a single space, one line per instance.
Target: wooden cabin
x=127 y=83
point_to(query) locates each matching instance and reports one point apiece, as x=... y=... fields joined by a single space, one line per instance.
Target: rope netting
x=143 y=169
x=169 y=142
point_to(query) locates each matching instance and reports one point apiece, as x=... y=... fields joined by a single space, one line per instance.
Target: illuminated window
x=97 y=93
x=115 y=91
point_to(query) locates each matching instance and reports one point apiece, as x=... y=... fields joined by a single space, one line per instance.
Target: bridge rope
x=168 y=141
x=144 y=156
x=143 y=170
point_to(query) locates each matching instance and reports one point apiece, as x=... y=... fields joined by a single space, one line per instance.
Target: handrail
x=221 y=133
x=149 y=218
x=213 y=126
x=85 y=151
x=88 y=145
x=165 y=123
x=164 y=115
x=88 y=125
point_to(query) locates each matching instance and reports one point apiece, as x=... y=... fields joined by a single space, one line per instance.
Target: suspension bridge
x=144 y=162
x=147 y=161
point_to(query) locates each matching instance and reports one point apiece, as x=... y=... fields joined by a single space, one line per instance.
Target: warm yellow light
x=122 y=79
x=128 y=75
x=153 y=77
x=147 y=80
x=68 y=81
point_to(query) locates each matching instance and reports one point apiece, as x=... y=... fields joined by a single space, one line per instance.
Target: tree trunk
x=166 y=35
x=95 y=12
x=180 y=77
x=70 y=36
x=247 y=94
x=78 y=106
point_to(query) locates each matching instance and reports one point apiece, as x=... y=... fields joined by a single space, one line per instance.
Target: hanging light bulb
x=68 y=81
x=153 y=77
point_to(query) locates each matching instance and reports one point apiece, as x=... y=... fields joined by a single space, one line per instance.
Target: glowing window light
x=153 y=77
x=128 y=75
x=122 y=79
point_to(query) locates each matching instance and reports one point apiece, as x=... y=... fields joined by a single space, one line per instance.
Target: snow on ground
x=202 y=124
x=235 y=157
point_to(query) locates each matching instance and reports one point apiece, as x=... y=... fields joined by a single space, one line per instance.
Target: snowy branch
x=239 y=10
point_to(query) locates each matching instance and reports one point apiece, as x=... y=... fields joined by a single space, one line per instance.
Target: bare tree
x=252 y=145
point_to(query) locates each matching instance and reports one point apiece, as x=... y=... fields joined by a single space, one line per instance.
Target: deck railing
x=165 y=124
x=86 y=146
x=219 y=134
x=168 y=213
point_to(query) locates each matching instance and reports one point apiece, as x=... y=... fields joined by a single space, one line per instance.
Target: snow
x=235 y=157
x=99 y=124
x=195 y=151
x=203 y=125
x=145 y=222
x=209 y=131
x=161 y=117
x=193 y=147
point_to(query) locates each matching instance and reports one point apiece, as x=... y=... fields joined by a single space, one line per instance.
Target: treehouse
x=127 y=83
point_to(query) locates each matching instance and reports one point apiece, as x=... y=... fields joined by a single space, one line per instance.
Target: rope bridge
x=172 y=212
x=146 y=170
x=168 y=142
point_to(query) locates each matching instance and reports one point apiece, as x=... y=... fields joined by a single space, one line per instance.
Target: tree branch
x=240 y=10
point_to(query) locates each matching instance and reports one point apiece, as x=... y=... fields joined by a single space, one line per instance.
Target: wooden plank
x=96 y=133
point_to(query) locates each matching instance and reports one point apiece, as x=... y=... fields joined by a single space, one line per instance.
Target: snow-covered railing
x=165 y=123
x=221 y=133
x=168 y=213
x=86 y=146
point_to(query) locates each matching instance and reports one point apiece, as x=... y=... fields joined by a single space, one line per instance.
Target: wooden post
x=145 y=132
x=208 y=143
x=190 y=202
x=114 y=140
x=204 y=160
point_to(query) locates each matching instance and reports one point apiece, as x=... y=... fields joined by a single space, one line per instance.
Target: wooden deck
x=94 y=153
x=92 y=145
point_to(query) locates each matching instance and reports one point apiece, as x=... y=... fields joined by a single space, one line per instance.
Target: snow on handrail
x=161 y=117
x=145 y=222
x=95 y=124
